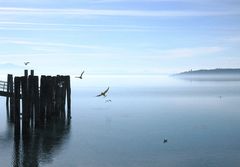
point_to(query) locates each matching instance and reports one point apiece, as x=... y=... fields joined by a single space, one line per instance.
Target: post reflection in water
x=39 y=145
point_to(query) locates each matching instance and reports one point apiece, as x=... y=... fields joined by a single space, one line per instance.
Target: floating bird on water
x=106 y=101
x=80 y=77
x=165 y=140
x=26 y=63
x=103 y=93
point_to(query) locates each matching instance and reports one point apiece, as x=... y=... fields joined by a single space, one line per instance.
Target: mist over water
x=201 y=121
x=210 y=77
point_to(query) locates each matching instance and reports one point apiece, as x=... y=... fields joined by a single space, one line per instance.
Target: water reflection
x=40 y=145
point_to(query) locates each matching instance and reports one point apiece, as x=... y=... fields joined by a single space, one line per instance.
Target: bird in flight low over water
x=103 y=93
x=26 y=63
x=80 y=77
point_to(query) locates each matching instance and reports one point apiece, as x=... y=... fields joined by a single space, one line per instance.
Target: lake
x=200 y=120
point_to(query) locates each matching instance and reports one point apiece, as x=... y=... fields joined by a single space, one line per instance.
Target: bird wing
x=82 y=73
x=106 y=90
x=99 y=95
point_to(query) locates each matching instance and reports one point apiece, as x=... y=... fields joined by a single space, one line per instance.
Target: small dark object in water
x=165 y=141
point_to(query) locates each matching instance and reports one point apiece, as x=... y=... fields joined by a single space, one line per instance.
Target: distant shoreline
x=219 y=74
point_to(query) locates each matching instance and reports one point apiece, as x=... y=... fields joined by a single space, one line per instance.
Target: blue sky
x=120 y=36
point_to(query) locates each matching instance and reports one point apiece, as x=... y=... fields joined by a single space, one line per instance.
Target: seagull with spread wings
x=104 y=94
x=80 y=77
x=26 y=63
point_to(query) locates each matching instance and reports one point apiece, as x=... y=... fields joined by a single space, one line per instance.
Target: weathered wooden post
x=68 y=97
x=32 y=73
x=33 y=91
x=25 y=105
x=12 y=106
x=49 y=97
x=36 y=101
x=42 y=99
x=58 y=87
x=63 y=97
x=7 y=98
x=31 y=98
x=25 y=73
x=10 y=96
x=17 y=84
x=54 y=87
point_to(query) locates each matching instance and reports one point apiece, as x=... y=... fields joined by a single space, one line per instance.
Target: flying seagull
x=26 y=63
x=103 y=93
x=80 y=77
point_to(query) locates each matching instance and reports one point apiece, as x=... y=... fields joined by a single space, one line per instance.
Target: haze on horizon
x=120 y=36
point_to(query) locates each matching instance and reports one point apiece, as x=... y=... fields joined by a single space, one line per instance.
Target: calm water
x=201 y=121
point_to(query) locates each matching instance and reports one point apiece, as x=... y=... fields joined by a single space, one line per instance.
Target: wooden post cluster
x=40 y=105
x=53 y=94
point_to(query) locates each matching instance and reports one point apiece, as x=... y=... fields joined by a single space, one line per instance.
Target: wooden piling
x=54 y=84
x=42 y=99
x=7 y=98
x=49 y=97
x=63 y=96
x=58 y=94
x=17 y=84
x=11 y=97
x=25 y=73
x=68 y=83
x=38 y=106
x=32 y=73
x=31 y=98
x=10 y=112
x=36 y=101
x=25 y=105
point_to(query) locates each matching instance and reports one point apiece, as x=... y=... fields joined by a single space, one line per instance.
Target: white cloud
x=43 y=26
x=18 y=23
x=186 y=52
x=46 y=44
x=79 y=30
x=99 y=12
x=106 y=1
